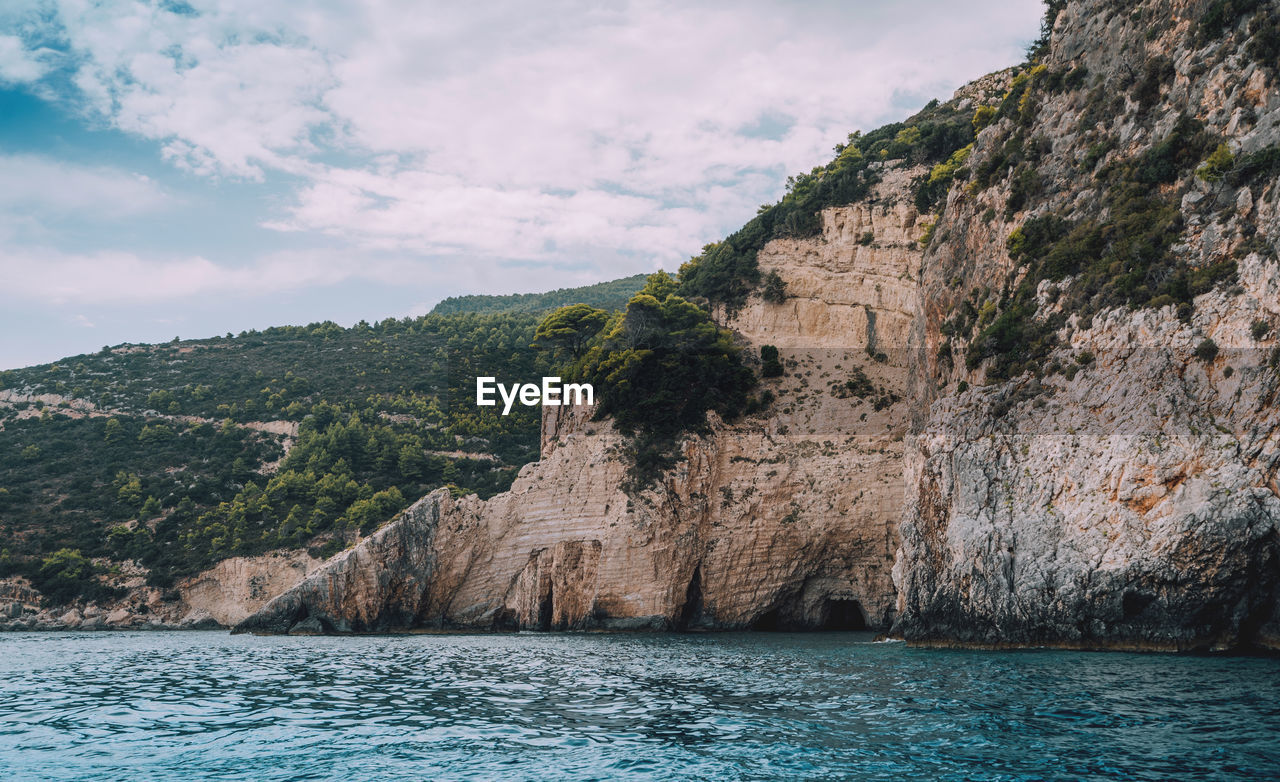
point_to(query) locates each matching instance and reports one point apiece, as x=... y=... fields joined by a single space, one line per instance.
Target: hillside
x=157 y=461
x=612 y=295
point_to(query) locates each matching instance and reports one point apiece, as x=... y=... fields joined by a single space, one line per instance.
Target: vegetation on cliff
x=1123 y=258
x=658 y=368
x=726 y=272
x=1120 y=249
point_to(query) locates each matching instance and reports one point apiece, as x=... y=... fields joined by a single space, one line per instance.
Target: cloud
x=530 y=126
x=40 y=185
x=609 y=137
x=18 y=64
x=124 y=278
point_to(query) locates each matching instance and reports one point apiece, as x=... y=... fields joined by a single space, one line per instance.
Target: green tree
x=1217 y=165
x=128 y=489
x=412 y=462
x=65 y=575
x=659 y=368
x=570 y=328
x=150 y=508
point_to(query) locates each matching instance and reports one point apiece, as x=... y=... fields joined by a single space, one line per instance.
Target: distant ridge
x=611 y=295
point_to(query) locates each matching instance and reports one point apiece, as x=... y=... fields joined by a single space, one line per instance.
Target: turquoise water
x=188 y=706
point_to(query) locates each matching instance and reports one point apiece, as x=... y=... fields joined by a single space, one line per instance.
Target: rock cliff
x=779 y=521
x=1056 y=425
x=1130 y=500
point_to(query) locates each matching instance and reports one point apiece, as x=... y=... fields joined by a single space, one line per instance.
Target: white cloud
x=36 y=184
x=563 y=133
x=650 y=99
x=61 y=278
x=18 y=64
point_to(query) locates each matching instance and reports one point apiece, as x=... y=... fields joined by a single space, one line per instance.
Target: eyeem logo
x=551 y=392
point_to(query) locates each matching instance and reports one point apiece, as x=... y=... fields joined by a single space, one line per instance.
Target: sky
x=172 y=168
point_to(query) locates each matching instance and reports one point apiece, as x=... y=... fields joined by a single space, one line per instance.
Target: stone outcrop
x=779 y=521
x=844 y=291
x=1130 y=503
x=379 y=585
x=217 y=598
x=237 y=587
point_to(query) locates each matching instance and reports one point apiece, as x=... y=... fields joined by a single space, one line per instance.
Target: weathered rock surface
x=842 y=290
x=378 y=586
x=1134 y=505
x=237 y=587
x=219 y=597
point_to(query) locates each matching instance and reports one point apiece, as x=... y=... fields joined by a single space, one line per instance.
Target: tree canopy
x=658 y=367
x=570 y=328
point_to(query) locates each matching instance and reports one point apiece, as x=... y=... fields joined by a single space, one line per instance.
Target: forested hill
x=180 y=454
x=611 y=295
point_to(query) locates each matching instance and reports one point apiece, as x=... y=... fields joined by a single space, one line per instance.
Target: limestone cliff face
x=1131 y=502
x=782 y=521
x=856 y=284
x=1119 y=491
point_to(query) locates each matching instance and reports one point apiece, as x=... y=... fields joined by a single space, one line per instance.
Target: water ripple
x=586 y=707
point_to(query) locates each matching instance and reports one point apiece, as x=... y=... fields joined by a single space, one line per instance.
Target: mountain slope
x=612 y=295
x=146 y=464
x=1024 y=377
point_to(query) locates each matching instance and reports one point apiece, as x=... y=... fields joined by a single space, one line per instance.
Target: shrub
x=859 y=384
x=774 y=290
x=771 y=366
x=927 y=236
x=1207 y=351
x=934 y=186
x=1264 y=47
x=1259 y=165
x=982 y=117
x=1158 y=71
x=1259 y=329
x=67 y=575
x=1217 y=164
x=1025 y=185
x=1222 y=16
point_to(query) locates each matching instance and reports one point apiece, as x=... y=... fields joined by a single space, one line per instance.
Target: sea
x=531 y=706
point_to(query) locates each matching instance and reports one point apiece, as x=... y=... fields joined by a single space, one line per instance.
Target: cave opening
x=769 y=622
x=691 y=611
x=843 y=615
x=546 y=609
